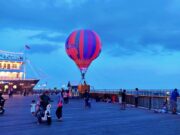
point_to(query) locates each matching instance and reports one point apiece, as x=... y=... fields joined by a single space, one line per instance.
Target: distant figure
x=164 y=108
x=65 y=97
x=59 y=107
x=136 y=96
x=120 y=96
x=86 y=99
x=123 y=100
x=68 y=95
x=10 y=93
x=2 y=100
x=33 y=107
x=113 y=99
x=85 y=83
x=76 y=91
x=60 y=96
x=25 y=92
x=69 y=85
x=62 y=91
x=173 y=100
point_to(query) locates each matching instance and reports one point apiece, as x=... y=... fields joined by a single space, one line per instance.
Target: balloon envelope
x=83 y=46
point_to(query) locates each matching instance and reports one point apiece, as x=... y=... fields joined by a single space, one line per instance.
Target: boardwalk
x=101 y=119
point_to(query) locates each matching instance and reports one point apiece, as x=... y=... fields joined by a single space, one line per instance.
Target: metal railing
x=147 y=99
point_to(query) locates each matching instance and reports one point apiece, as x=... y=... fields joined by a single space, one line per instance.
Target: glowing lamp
x=14 y=87
x=6 y=86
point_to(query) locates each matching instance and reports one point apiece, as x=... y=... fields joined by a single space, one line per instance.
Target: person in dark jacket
x=2 y=100
x=86 y=99
x=44 y=100
x=123 y=102
x=136 y=97
x=173 y=100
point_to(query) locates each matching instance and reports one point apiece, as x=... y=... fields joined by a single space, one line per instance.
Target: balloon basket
x=82 y=88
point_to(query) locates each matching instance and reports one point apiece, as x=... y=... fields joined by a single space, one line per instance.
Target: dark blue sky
x=140 y=40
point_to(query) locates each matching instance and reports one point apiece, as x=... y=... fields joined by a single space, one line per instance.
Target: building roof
x=11 y=56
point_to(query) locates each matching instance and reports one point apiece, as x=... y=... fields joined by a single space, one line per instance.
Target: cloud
x=169 y=41
x=52 y=37
x=42 y=48
x=125 y=27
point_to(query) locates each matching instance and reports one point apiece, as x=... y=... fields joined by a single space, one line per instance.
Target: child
x=33 y=107
x=164 y=108
x=59 y=110
x=37 y=107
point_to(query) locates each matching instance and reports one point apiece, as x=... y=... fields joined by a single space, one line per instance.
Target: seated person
x=164 y=109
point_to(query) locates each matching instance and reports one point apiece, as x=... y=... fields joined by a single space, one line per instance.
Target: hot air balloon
x=83 y=46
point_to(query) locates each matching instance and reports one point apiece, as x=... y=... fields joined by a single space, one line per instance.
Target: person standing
x=123 y=102
x=44 y=100
x=136 y=97
x=2 y=100
x=173 y=100
x=120 y=96
x=65 y=97
x=33 y=107
x=9 y=93
x=68 y=85
x=59 y=107
x=86 y=99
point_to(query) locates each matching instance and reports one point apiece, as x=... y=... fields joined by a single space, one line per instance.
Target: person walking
x=136 y=97
x=86 y=99
x=173 y=101
x=123 y=102
x=59 y=107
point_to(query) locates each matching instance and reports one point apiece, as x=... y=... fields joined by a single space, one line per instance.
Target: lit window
x=14 y=66
x=8 y=66
x=4 y=65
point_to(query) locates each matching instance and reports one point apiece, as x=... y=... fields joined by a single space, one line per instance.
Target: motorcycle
x=44 y=116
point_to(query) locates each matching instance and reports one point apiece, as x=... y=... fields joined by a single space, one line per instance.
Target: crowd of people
x=168 y=105
x=44 y=101
x=164 y=107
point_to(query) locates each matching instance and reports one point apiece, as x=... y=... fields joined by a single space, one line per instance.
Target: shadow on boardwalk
x=101 y=119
